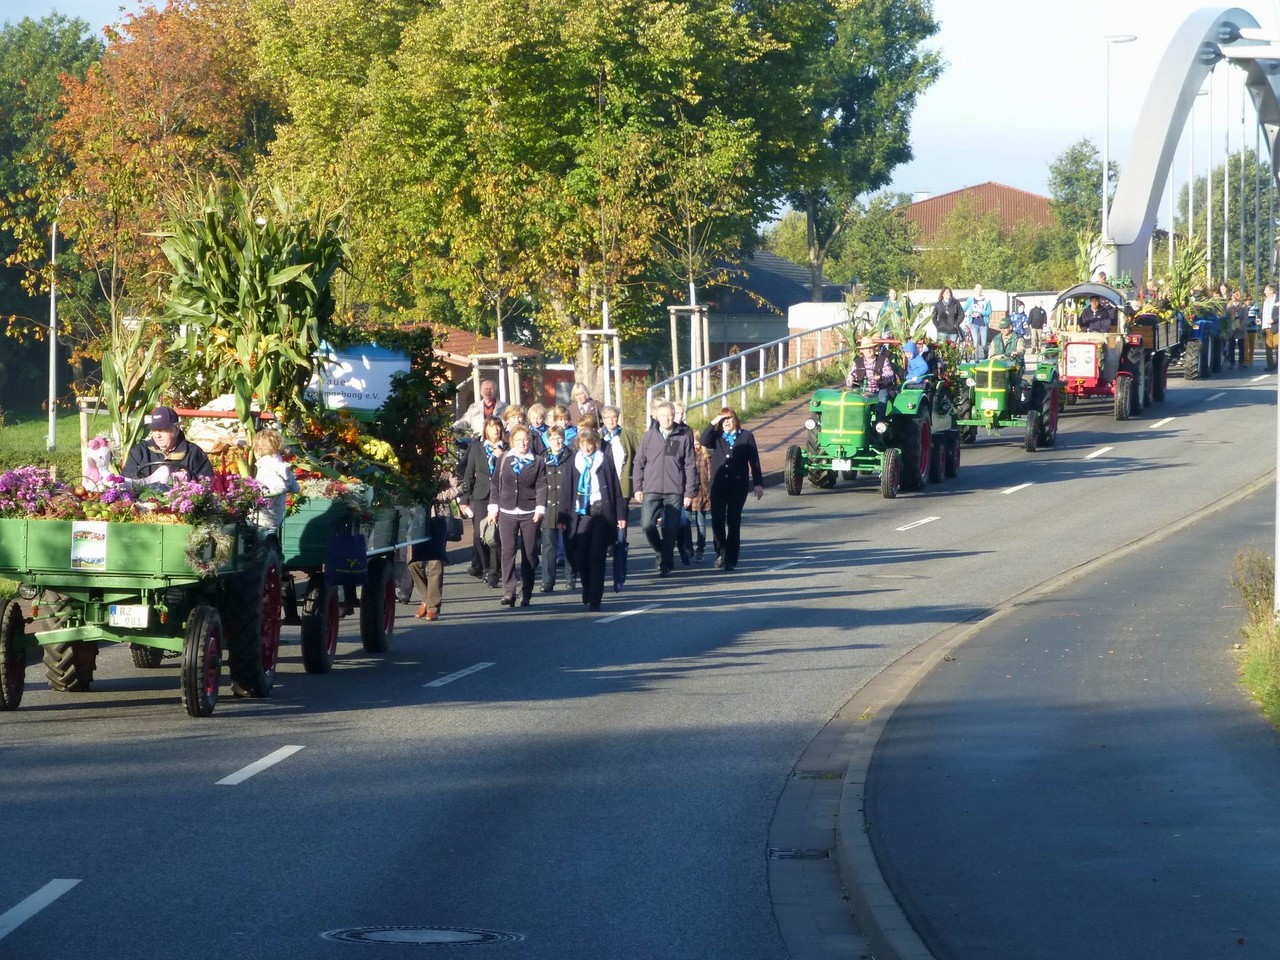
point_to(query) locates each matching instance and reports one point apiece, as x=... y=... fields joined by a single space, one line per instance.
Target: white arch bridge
x=1207 y=37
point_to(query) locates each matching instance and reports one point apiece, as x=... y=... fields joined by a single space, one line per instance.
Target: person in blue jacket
x=977 y=313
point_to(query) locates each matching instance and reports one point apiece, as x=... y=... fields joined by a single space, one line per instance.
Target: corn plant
x=133 y=379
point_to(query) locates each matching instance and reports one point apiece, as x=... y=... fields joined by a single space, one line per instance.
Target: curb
x=874 y=906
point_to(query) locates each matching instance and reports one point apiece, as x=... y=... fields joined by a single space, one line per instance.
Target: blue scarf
x=607 y=435
x=554 y=460
x=570 y=433
x=730 y=438
x=492 y=453
x=519 y=463
x=584 y=485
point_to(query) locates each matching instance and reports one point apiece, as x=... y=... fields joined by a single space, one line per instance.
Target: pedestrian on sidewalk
x=948 y=315
x=553 y=527
x=598 y=516
x=518 y=505
x=700 y=508
x=426 y=567
x=666 y=478
x=477 y=489
x=735 y=470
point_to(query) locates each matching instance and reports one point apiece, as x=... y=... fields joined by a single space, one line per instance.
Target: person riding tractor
x=874 y=374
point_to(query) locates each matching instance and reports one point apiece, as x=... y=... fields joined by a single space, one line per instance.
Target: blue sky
x=1024 y=81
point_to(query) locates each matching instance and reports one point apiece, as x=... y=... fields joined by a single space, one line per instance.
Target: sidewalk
x=775 y=431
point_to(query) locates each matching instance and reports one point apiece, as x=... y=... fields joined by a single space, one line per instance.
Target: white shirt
x=276 y=479
x=582 y=463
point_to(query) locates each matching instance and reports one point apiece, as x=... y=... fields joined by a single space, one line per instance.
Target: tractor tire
x=1049 y=420
x=1215 y=356
x=251 y=614
x=937 y=459
x=951 y=466
x=1124 y=393
x=13 y=655
x=1148 y=382
x=202 y=661
x=890 y=474
x=1191 y=360
x=1159 y=376
x=378 y=607
x=964 y=409
x=917 y=446
x=319 y=635
x=1031 y=436
x=145 y=658
x=69 y=666
x=819 y=478
x=793 y=471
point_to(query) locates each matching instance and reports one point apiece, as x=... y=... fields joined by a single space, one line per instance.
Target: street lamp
x=1106 y=134
x=51 y=441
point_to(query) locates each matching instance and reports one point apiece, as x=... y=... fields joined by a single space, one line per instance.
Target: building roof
x=456 y=346
x=765 y=283
x=1014 y=207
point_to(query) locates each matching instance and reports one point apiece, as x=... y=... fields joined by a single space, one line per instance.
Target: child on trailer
x=274 y=476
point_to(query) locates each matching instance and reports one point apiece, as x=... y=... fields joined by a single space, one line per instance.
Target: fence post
x=761 y=377
x=742 y=380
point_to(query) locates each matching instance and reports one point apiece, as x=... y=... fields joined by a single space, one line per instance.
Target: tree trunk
x=588 y=371
x=817 y=251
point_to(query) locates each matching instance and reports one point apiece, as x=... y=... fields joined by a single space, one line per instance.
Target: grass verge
x=24 y=442
x=1253 y=576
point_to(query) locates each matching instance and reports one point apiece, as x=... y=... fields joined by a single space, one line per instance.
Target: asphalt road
x=601 y=787
x=1085 y=777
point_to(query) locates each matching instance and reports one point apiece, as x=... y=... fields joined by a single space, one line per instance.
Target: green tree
x=1075 y=184
x=788 y=238
x=865 y=76
x=878 y=247
x=1256 y=209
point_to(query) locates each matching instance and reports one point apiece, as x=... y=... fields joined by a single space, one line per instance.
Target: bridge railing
x=737 y=375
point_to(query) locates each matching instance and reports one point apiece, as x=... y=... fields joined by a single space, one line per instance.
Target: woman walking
x=735 y=469
x=477 y=489
x=519 y=504
x=597 y=511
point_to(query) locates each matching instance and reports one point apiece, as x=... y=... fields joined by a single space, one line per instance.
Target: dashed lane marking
x=474 y=668
x=1260 y=379
x=270 y=760
x=28 y=908
x=1021 y=486
x=917 y=523
x=1099 y=452
x=1215 y=396
x=1161 y=423
x=788 y=565
x=629 y=613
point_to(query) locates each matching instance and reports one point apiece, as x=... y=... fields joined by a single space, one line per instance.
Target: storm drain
x=422 y=936
x=791 y=853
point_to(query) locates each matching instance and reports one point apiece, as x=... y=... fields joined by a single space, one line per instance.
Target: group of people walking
x=542 y=487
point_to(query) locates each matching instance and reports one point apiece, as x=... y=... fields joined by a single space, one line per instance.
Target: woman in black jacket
x=555 y=458
x=477 y=489
x=591 y=498
x=735 y=469
x=948 y=316
x=519 y=503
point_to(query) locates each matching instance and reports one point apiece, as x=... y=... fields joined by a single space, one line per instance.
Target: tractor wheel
x=320 y=615
x=1049 y=420
x=917 y=445
x=1031 y=436
x=1191 y=360
x=793 y=471
x=964 y=410
x=1159 y=376
x=13 y=656
x=937 y=459
x=1124 y=388
x=378 y=608
x=252 y=608
x=202 y=661
x=145 y=658
x=890 y=474
x=951 y=468
x=70 y=666
x=826 y=479
x=1148 y=382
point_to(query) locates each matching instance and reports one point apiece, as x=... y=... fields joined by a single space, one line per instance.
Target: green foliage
x=1255 y=180
x=1188 y=271
x=1253 y=577
x=1088 y=254
x=786 y=238
x=251 y=280
x=878 y=246
x=133 y=380
x=26 y=444
x=1075 y=184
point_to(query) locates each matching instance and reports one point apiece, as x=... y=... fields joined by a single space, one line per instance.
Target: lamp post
x=51 y=441
x=1111 y=40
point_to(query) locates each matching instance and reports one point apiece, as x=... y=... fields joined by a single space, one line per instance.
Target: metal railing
x=695 y=388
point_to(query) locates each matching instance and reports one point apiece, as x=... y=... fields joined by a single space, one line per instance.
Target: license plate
x=842 y=466
x=135 y=616
x=990 y=403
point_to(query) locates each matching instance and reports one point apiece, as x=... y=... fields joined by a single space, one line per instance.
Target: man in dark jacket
x=166 y=455
x=1098 y=317
x=665 y=476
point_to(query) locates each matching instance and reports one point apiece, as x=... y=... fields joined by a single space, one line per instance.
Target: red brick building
x=1013 y=206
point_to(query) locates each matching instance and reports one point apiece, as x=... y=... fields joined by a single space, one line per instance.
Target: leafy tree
x=864 y=79
x=1075 y=184
x=788 y=238
x=878 y=247
x=972 y=247
x=1256 y=213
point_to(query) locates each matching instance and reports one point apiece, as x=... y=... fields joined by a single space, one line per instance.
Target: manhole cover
x=422 y=936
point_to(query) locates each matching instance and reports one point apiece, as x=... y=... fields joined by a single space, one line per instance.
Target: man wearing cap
x=1005 y=342
x=166 y=455
x=1098 y=316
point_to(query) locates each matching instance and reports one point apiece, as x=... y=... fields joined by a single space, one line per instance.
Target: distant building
x=1014 y=207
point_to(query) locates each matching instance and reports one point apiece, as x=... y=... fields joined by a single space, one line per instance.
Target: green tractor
x=1001 y=393
x=914 y=443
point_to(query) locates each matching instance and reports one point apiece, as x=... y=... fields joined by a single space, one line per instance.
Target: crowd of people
x=556 y=488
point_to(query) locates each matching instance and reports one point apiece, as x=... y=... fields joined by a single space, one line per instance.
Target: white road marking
x=270 y=760
x=629 y=613
x=1161 y=423
x=917 y=523
x=784 y=566
x=1260 y=379
x=474 y=668
x=28 y=908
x=1215 y=396
x=1099 y=452
x=1021 y=486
